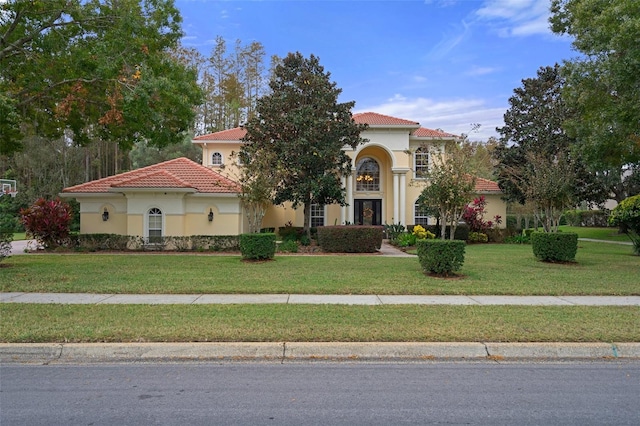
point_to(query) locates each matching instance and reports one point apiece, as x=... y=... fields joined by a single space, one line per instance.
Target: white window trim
x=422 y=151
x=380 y=176
x=221 y=159
x=324 y=215
x=415 y=217
x=146 y=223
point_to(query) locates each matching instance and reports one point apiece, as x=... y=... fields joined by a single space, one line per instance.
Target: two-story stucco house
x=180 y=197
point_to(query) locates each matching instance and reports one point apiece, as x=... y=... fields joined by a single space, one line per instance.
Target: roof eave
x=151 y=189
x=393 y=126
x=86 y=194
x=216 y=194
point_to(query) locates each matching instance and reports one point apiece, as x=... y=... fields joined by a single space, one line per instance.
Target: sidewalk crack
x=494 y=358
x=56 y=357
x=284 y=352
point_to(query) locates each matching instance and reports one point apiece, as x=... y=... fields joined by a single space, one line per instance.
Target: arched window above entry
x=216 y=159
x=367 y=175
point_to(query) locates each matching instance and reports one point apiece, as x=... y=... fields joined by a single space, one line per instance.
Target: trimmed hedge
x=116 y=242
x=258 y=246
x=598 y=218
x=350 y=238
x=441 y=257
x=215 y=242
x=97 y=242
x=555 y=246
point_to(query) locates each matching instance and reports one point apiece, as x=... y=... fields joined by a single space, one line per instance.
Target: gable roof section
x=154 y=179
x=180 y=173
x=381 y=120
x=234 y=134
x=373 y=119
x=486 y=185
x=423 y=132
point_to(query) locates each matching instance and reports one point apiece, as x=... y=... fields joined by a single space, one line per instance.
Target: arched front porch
x=375 y=191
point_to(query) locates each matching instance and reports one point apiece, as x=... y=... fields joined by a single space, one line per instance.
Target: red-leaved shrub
x=48 y=221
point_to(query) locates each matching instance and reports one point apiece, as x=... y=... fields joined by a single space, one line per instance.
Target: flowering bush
x=474 y=215
x=48 y=221
x=422 y=233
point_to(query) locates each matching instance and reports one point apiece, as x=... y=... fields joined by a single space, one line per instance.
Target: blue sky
x=444 y=63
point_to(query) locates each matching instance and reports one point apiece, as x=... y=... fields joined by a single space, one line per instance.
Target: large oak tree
x=97 y=69
x=302 y=130
x=536 y=159
x=603 y=86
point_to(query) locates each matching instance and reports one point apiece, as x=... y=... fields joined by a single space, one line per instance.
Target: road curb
x=49 y=353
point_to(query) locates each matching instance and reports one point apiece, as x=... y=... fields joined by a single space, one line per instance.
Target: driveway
x=18 y=247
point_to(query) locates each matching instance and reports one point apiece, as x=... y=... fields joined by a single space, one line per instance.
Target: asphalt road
x=469 y=393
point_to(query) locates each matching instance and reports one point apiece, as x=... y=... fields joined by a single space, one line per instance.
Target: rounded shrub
x=440 y=257
x=258 y=246
x=555 y=246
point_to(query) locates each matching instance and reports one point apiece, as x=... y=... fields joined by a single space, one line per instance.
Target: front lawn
x=316 y=323
x=601 y=269
x=608 y=234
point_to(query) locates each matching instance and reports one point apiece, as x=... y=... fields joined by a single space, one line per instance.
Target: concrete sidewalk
x=312 y=299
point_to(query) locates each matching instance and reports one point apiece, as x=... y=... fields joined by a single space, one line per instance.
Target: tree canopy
x=602 y=86
x=302 y=130
x=451 y=183
x=93 y=69
x=534 y=146
x=626 y=215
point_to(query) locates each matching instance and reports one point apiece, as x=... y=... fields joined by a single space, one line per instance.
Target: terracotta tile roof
x=375 y=119
x=223 y=135
x=156 y=179
x=423 y=132
x=179 y=173
x=486 y=185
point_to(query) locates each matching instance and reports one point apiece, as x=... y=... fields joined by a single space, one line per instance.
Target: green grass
x=607 y=234
x=316 y=323
x=17 y=236
x=601 y=269
x=605 y=269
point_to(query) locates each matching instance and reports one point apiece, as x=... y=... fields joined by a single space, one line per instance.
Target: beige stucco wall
x=184 y=214
x=229 y=161
x=496 y=206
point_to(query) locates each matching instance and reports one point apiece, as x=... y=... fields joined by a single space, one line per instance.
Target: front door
x=367 y=212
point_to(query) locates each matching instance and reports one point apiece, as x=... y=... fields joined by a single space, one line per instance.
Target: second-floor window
x=421 y=162
x=216 y=159
x=367 y=175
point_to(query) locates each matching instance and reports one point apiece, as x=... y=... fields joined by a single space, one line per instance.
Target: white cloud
x=451 y=115
x=476 y=71
x=516 y=17
x=453 y=38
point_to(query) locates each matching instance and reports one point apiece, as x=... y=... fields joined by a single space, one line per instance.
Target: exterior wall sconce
x=105 y=215
x=210 y=215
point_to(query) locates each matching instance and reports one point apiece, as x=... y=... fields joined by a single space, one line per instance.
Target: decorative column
x=350 y=196
x=396 y=200
x=343 y=209
x=400 y=195
x=403 y=199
